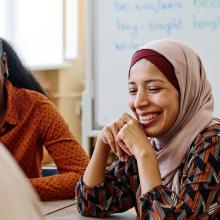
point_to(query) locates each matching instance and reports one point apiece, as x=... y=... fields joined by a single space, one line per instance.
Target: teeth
x=147 y=117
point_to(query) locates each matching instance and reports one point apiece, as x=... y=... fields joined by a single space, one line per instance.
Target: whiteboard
x=118 y=27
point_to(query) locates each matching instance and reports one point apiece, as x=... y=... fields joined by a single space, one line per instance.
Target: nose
x=141 y=100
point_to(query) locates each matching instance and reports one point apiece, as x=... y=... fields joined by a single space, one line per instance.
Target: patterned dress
x=199 y=197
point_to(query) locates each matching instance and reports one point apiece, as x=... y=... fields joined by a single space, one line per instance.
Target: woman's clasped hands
x=126 y=137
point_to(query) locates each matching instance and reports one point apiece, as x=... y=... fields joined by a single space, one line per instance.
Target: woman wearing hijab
x=169 y=154
x=29 y=121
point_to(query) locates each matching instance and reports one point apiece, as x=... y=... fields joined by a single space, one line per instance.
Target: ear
x=4 y=63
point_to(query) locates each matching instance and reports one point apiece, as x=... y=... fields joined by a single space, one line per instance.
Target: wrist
x=101 y=146
x=144 y=152
x=149 y=172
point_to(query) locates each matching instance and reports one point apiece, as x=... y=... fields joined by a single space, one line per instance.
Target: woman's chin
x=151 y=132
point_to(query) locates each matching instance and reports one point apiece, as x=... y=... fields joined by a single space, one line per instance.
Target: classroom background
x=35 y=27
x=77 y=48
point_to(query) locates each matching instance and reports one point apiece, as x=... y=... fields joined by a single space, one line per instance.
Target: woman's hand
x=108 y=137
x=133 y=138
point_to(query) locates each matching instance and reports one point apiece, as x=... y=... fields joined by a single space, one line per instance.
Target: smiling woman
x=175 y=173
x=127 y=26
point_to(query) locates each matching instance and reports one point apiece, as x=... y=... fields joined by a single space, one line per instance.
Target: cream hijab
x=196 y=108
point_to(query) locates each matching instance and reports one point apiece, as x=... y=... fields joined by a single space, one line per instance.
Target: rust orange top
x=31 y=121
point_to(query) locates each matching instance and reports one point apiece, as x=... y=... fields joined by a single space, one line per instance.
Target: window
x=2 y=17
x=36 y=30
x=71 y=27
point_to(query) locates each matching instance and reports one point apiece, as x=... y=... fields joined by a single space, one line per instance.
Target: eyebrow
x=148 y=81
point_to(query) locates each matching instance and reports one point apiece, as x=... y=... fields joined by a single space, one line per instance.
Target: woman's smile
x=149 y=119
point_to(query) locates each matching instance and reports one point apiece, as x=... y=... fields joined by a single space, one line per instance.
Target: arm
x=105 y=142
x=134 y=137
x=115 y=194
x=68 y=155
x=115 y=197
x=199 y=188
x=97 y=165
x=101 y=192
x=199 y=191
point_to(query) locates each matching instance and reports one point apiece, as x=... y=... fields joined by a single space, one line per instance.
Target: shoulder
x=30 y=98
x=210 y=135
x=30 y=95
x=201 y=164
x=207 y=142
x=29 y=102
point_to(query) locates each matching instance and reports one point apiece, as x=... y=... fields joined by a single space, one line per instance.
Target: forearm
x=95 y=171
x=115 y=195
x=149 y=173
x=56 y=187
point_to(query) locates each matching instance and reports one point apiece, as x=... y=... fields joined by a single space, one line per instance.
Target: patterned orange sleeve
x=68 y=155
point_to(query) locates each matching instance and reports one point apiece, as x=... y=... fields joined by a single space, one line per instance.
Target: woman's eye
x=154 y=89
x=132 y=91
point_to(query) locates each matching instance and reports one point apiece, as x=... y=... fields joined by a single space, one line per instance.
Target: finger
x=115 y=130
x=119 y=151
x=124 y=148
x=112 y=144
x=122 y=144
x=126 y=118
x=108 y=138
x=122 y=122
x=122 y=155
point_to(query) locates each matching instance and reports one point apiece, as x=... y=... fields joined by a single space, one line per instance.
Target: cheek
x=176 y=104
x=173 y=109
x=131 y=104
x=160 y=101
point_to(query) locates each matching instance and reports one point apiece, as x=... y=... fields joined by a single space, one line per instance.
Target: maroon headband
x=159 y=61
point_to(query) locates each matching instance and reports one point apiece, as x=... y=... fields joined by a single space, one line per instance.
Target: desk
x=66 y=210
